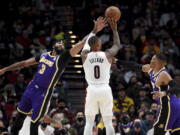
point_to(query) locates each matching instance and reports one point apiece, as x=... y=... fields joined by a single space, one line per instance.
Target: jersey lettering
x=100 y=60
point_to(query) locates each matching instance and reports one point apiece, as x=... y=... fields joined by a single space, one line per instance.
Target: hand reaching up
x=112 y=23
x=99 y=24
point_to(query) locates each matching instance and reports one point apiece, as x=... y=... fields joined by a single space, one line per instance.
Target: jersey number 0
x=97 y=72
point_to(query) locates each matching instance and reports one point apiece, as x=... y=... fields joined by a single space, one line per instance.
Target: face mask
x=58 y=50
x=67 y=126
x=80 y=119
x=155 y=111
x=125 y=120
x=44 y=125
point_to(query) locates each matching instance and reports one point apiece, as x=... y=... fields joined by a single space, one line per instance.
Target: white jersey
x=97 y=68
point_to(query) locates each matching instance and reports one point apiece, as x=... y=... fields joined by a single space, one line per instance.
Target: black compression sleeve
x=37 y=57
x=174 y=88
x=64 y=59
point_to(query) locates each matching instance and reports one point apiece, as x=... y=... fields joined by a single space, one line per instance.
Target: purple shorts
x=169 y=116
x=35 y=100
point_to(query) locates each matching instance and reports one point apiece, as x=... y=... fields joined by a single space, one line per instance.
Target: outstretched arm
x=19 y=65
x=99 y=24
x=76 y=49
x=116 y=41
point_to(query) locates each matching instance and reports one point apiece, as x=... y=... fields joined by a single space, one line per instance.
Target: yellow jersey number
x=41 y=71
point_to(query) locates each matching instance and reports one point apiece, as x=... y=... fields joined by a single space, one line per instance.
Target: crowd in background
x=146 y=27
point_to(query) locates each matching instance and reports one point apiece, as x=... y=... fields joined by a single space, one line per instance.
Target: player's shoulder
x=164 y=74
x=102 y=53
x=45 y=53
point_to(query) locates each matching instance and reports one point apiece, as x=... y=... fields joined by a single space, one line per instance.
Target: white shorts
x=99 y=98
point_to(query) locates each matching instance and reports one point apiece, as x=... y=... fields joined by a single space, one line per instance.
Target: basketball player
x=97 y=73
x=164 y=92
x=38 y=92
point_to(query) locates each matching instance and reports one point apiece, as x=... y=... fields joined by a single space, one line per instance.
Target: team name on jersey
x=100 y=60
x=46 y=61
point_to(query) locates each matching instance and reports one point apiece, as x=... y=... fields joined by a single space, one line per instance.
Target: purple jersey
x=47 y=70
x=154 y=78
x=38 y=93
x=169 y=112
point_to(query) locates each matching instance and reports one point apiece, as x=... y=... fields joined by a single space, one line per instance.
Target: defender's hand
x=99 y=24
x=158 y=94
x=112 y=23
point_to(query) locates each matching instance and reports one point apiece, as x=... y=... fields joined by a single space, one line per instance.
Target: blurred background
x=146 y=27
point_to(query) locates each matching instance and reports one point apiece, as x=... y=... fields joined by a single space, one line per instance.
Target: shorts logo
x=161 y=126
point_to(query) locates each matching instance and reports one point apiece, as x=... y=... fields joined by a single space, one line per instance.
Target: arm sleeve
x=174 y=88
x=64 y=59
x=86 y=46
x=37 y=57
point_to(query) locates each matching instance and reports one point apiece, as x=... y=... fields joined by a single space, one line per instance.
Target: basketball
x=113 y=12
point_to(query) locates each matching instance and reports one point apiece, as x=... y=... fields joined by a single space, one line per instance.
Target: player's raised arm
x=99 y=24
x=20 y=65
x=76 y=49
x=116 y=41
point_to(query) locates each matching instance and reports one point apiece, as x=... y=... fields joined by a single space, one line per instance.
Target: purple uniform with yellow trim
x=169 y=113
x=38 y=93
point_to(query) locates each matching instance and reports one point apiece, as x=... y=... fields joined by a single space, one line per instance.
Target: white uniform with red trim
x=99 y=94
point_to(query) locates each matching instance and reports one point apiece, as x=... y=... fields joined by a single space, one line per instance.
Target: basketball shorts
x=35 y=100
x=99 y=99
x=169 y=116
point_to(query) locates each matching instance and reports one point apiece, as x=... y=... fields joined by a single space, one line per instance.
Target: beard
x=58 y=50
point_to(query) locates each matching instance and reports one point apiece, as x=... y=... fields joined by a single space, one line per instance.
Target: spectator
x=133 y=112
x=136 y=86
x=147 y=124
x=142 y=97
x=123 y=102
x=3 y=129
x=8 y=91
x=154 y=108
x=67 y=128
x=125 y=124
x=62 y=108
x=137 y=128
x=79 y=123
x=20 y=85
x=144 y=106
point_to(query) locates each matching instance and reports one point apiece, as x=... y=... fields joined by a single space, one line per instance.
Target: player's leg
x=175 y=115
x=91 y=109
x=158 y=130
x=17 y=125
x=40 y=106
x=34 y=128
x=24 y=108
x=89 y=124
x=108 y=124
x=106 y=106
x=159 y=126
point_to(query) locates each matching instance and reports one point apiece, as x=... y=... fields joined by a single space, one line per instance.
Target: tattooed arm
x=110 y=53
